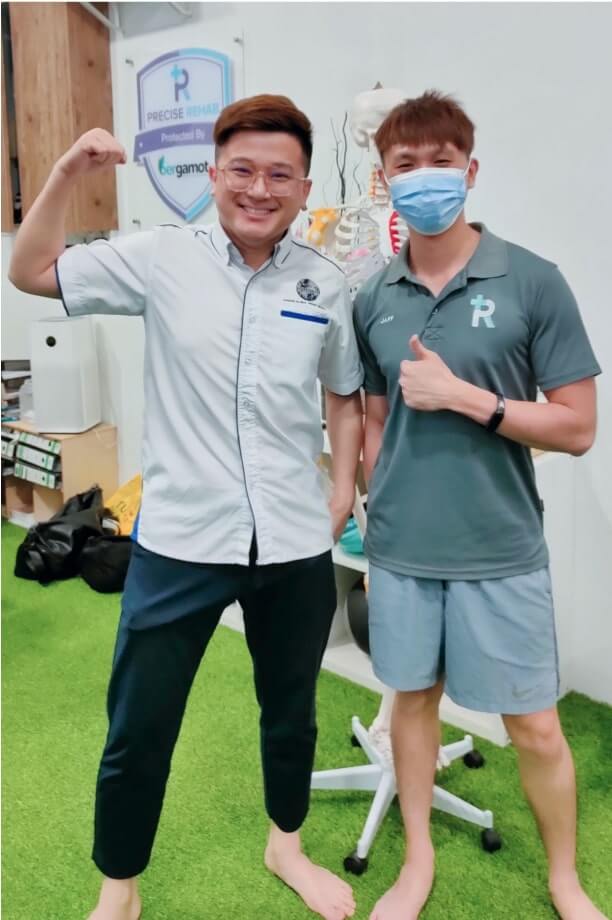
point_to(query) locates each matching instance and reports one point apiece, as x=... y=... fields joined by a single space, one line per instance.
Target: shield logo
x=307 y=289
x=180 y=96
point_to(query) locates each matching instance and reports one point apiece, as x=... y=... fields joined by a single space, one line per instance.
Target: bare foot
x=321 y=890
x=571 y=902
x=119 y=900
x=406 y=899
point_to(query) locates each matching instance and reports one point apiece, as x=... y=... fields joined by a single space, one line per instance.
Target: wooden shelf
x=86 y=459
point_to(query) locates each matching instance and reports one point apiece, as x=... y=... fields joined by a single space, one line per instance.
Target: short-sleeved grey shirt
x=448 y=499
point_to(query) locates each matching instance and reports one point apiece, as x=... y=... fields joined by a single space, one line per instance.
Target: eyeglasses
x=277 y=182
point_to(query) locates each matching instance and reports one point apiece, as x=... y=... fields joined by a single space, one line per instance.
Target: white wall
x=535 y=78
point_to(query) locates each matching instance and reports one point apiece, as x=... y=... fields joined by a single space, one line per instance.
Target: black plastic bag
x=104 y=562
x=52 y=549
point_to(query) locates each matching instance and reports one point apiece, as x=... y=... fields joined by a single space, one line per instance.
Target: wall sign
x=180 y=96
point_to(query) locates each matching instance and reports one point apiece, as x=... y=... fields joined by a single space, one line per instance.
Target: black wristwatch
x=500 y=410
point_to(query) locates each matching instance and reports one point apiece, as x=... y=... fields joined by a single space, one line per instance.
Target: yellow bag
x=125 y=504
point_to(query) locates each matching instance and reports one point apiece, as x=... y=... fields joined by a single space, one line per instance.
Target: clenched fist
x=94 y=150
x=426 y=382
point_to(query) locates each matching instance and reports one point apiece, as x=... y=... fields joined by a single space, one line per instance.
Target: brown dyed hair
x=265 y=113
x=432 y=118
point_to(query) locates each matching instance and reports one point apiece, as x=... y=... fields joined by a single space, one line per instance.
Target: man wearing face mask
x=456 y=335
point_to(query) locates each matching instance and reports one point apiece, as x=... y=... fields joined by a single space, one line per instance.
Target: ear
x=306 y=189
x=212 y=175
x=381 y=175
x=472 y=173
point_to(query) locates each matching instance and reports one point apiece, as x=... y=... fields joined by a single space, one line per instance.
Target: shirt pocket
x=296 y=340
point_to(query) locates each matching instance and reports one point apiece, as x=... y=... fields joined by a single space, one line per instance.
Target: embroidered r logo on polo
x=307 y=289
x=483 y=309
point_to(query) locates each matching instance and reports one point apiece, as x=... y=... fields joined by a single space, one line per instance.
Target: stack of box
x=9 y=443
x=28 y=459
x=14 y=375
x=37 y=459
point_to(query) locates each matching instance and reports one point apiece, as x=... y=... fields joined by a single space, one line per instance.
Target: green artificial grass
x=207 y=862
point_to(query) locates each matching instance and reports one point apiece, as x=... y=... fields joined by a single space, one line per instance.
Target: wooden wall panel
x=7 y=190
x=92 y=107
x=39 y=39
x=61 y=63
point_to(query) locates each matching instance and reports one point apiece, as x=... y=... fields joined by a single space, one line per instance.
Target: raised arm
x=41 y=237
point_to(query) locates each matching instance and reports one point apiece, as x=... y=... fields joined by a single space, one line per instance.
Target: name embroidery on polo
x=387 y=319
x=483 y=310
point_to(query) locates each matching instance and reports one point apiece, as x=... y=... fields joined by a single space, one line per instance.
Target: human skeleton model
x=362 y=236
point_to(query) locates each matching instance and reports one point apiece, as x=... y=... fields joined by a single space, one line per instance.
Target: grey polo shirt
x=232 y=424
x=448 y=499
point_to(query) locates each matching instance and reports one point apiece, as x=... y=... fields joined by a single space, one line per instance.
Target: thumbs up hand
x=418 y=349
x=426 y=382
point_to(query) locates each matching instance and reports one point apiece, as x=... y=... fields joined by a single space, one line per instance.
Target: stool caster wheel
x=355 y=741
x=491 y=841
x=356 y=864
x=474 y=760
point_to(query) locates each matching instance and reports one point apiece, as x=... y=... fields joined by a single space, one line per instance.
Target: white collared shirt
x=232 y=430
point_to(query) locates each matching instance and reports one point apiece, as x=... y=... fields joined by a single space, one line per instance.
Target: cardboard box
x=86 y=459
x=47 y=502
x=18 y=496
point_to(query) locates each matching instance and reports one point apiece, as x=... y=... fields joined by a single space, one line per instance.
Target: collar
x=230 y=253
x=489 y=260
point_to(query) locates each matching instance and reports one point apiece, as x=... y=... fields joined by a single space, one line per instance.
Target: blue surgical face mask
x=430 y=199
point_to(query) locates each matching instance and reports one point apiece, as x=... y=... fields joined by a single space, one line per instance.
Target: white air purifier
x=65 y=380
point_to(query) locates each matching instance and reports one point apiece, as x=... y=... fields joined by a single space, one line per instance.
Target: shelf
x=87 y=458
x=354 y=561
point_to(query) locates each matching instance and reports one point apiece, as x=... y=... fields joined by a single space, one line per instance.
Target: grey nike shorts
x=494 y=640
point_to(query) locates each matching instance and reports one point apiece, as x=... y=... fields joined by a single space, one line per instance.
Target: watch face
x=498 y=414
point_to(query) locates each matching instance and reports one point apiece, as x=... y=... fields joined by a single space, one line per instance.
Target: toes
x=335 y=913
x=341 y=910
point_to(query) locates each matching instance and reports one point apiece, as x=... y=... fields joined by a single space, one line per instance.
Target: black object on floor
x=52 y=549
x=104 y=562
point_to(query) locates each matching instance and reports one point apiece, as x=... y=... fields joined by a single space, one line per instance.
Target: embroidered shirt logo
x=307 y=289
x=483 y=309
x=387 y=319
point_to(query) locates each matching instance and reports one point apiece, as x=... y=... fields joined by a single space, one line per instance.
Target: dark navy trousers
x=169 y=614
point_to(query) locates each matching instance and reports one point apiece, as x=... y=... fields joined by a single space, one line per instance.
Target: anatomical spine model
x=363 y=236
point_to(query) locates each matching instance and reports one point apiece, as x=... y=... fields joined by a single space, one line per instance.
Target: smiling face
x=255 y=218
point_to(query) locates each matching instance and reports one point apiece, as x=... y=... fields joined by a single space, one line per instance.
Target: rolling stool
x=378 y=775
